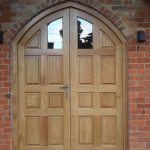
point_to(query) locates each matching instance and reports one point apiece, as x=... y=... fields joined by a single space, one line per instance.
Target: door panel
x=30 y=63
x=55 y=69
x=85 y=69
x=108 y=69
x=70 y=85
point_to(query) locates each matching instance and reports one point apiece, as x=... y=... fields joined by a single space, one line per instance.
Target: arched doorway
x=71 y=85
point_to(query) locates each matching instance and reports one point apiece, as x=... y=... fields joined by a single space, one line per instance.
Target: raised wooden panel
x=85 y=69
x=32 y=70
x=106 y=40
x=108 y=69
x=33 y=100
x=86 y=130
x=108 y=130
x=85 y=100
x=97 y=130
x=56 y=100
x=55 y=131
x=108 y=100
x=44 y=130
x=55 y=69
x=33 y=132
x=35 y=41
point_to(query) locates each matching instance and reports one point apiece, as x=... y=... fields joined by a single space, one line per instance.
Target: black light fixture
x=141 y=36
x=1 y=37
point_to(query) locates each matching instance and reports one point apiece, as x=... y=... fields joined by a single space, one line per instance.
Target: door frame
x=18 y=41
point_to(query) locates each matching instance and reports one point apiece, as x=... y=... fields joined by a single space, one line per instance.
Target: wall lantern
x=141 y=36
x=1 y=37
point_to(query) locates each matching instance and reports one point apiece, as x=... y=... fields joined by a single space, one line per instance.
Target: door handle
x=65 y=86
x=67 y=89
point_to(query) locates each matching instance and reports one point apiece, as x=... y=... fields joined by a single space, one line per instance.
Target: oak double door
x=70 y=85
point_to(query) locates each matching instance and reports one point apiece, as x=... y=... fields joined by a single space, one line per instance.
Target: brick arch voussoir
x=45 y=4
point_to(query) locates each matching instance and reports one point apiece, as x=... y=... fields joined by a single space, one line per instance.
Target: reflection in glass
x=55 y=34
x=85 y=34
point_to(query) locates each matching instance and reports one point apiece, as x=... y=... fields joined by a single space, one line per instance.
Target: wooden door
x=96 y=87
x=44 y=110
x=70 y=93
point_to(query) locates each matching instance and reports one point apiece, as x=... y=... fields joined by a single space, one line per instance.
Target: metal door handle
x=67 y=89
x=64 y=86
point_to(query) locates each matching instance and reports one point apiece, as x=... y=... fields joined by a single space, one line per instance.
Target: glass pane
x=85 y=34
x=55 y=34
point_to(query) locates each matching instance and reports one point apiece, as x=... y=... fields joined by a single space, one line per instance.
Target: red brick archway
x=94 y=4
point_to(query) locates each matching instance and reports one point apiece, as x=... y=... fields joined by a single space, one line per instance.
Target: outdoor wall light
x=141 y=36
x=1 y=37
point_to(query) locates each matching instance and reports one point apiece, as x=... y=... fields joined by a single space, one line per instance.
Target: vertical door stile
x=73 y=77
x=119 y=95
x=96 y=94
x=66 y=81
x=44 y=81
x=21 y=76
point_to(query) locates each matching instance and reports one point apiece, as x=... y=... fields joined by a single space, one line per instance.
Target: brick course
x=129 y=16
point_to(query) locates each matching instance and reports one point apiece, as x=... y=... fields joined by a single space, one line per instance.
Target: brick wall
x=129 y=16
x=139 y=84
x=5 y=101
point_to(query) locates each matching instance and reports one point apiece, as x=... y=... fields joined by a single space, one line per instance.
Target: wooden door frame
x=18 y=41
